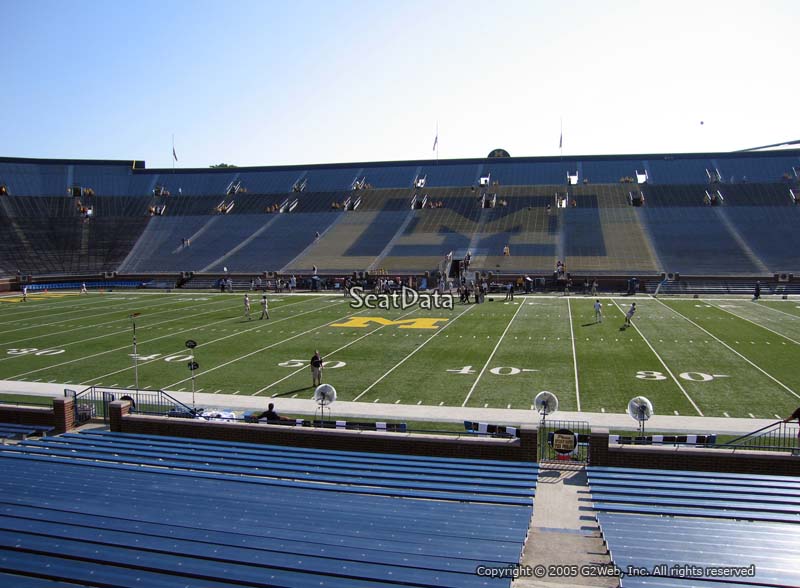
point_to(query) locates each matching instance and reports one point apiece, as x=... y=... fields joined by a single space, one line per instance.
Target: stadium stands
x=679 y=527
x=44 y=230
x=179 y=512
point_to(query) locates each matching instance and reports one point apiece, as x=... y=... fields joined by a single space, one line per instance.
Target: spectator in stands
x=3 y=190
x=506 y=251
x=574 y=203
x=547 y=208
x=316 y=236
x=316 y=369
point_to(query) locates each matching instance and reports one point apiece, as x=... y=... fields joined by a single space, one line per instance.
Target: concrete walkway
x=444 y=414
x=564 y=545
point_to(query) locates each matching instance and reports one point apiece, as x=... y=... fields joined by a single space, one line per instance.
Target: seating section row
x=101 y=508
x=686 y=528
x=53 y=178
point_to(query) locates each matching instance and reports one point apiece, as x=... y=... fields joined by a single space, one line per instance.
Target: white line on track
x=574 y=356
x=402 y=361
x=663 y=363
x=491 y=355
x=756 y=324
x=245 y=356
x=771 y=377
x=141 y=343
x=297 y=371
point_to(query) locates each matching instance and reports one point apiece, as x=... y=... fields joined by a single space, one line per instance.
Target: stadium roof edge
x=140 y=166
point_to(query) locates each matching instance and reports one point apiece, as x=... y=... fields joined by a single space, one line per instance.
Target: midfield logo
x=362 y=322
x=401 y=300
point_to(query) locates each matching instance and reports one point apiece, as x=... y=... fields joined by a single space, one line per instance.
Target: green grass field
x=691 y=357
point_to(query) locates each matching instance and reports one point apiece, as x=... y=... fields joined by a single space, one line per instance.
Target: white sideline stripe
x=84 y=319
x=245 y=356
x=744 y=318
x=297 y=371
x=45 y=306
x=128 y=346
x=574 y=356
x=402 y=361
x=126 y=330
x=771 y=377
x=674 y=379
x=491 y=355
x=202 y=344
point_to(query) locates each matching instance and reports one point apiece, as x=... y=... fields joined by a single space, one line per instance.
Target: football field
x=692 y=357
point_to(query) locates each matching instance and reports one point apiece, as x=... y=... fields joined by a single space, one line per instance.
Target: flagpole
x=173 y=152
x=561 y=136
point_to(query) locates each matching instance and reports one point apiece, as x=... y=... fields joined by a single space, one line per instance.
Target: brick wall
x=464 y=446
x=689 y=458
x=61 y=415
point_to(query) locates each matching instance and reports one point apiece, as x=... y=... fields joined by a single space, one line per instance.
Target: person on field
x=598 y=312
x=795 y=416
x=264 y=307
x=757 y=291
x=629 y=314
x=24 y=293
x=316 y=369
x=83 y=288
x=247 y=307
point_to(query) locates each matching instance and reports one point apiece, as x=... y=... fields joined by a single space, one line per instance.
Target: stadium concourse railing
x=93 y=402
x=777 y=436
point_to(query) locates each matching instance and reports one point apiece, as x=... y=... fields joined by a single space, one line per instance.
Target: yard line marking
x=246 y=355
x=663 y=363
x=45 y=310
x=758 y=325
x=486 y=365
x=150 y=341
x=297 y=371
x=111 y=310
x=574 y=356
x=713 y=336
x=91 y=317
x=121 y=332
x=145 y=327
x=402 y=361
x=794 y=316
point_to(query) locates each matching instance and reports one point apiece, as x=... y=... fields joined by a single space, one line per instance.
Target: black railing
x=777 y=436
x=93 y=402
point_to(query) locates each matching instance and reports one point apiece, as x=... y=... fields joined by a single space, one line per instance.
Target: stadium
x=341 y=360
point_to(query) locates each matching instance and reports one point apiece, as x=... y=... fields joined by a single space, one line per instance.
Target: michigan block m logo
x=362 y=322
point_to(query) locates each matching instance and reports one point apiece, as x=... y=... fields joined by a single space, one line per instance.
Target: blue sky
x=268 y=83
